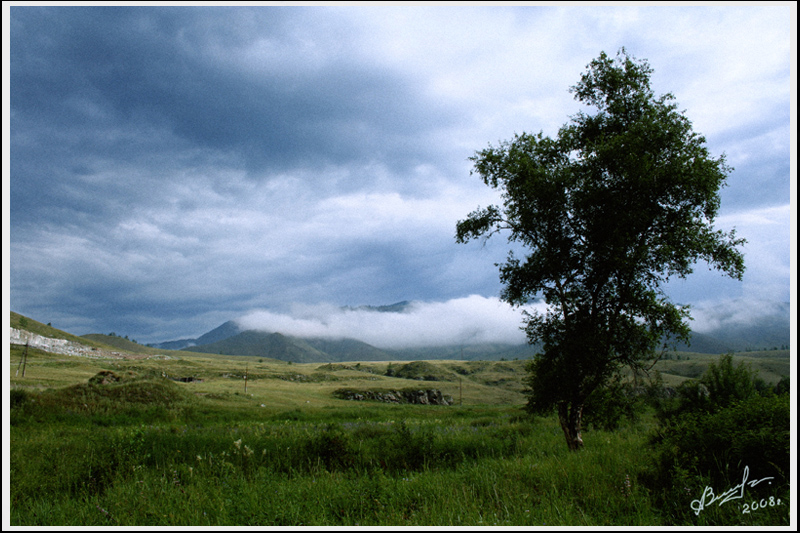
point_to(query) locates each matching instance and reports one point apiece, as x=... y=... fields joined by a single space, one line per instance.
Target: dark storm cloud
x=261 y=95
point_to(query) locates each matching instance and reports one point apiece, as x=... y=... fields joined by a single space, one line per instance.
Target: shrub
x=607 y=405
x=717 y=446
x=18 y=398
x=783 y=386
x=332 y=448
x=690 y=397
x=719 y=386
x=421 y=370
x=727 y=383
x=714 y=429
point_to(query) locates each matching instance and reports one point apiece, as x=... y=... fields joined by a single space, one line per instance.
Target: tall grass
x=82 y=456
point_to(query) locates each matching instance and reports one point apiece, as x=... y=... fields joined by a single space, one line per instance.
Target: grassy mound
x=421 y=370
x=106 y=399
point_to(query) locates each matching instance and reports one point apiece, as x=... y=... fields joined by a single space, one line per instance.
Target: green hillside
x=118 y=342
x=28 y=324
x=467 y=352
x=94 y=340
x=771 y=365
x=272 y=345
x=349 y=350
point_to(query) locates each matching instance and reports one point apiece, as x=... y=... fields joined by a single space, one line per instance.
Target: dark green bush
x=717 y=446
x=421 y=370
x=727 y=383
x=332 y=448
x=18 y=398
x=783 y=386
x=608 y=405
x=406 y=449
x=715 y=428
x=720 y=386
x=690 y=397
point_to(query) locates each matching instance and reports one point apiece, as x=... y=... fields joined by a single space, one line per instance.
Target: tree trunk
x=570 y=418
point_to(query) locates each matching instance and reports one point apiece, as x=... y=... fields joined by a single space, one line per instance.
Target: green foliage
x=713 y=429
x=421 y=370
x=148 y=451
x=705 y=448
x=602 y=276
x=122 y=401
x=332 y=448
x=783 y=386
x=609 y=404
x=721 y=384
x=726 y=383
x=214 y=463
x=18 y=398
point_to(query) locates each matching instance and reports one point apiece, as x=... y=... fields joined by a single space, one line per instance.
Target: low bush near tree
x=722 y=431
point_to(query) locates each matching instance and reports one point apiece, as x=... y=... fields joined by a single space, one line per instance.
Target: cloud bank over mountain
x=712 y=317
x=471 y=320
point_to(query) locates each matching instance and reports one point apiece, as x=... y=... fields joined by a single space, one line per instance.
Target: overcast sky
x=172 y=168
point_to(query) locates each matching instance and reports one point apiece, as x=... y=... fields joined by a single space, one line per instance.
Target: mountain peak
x=397 y=307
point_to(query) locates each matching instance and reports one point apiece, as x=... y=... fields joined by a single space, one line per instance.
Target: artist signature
x=736 y=493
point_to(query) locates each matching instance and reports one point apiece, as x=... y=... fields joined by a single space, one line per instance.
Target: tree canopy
x=619 y=202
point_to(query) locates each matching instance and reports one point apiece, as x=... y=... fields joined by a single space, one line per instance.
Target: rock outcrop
x=66 y=347
x=413 y=396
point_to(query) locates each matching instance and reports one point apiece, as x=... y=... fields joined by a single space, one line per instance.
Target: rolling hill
x=275 y=348
x=767 y=332
x=272 y=345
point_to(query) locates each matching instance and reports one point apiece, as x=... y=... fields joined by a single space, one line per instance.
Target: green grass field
x=150 y=450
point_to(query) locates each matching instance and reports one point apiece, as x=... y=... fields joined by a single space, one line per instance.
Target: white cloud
x=470 y=320
x=767 y=251
x=721 y=315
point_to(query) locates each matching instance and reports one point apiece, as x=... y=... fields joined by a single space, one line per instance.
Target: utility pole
x=460 y=395
x=23 y=362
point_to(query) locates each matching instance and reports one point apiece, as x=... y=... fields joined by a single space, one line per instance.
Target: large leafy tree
x=620 y=201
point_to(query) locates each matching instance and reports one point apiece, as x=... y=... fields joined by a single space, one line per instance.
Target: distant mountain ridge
x=226 y=330
x=766 y=332
x=272 y=345
x=730 y=333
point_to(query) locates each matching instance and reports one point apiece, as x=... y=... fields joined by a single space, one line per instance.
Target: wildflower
x=626 y=489
x=247 y=451
x=238 y=444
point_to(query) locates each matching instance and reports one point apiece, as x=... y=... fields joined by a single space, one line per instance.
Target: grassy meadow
x=280 y=449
